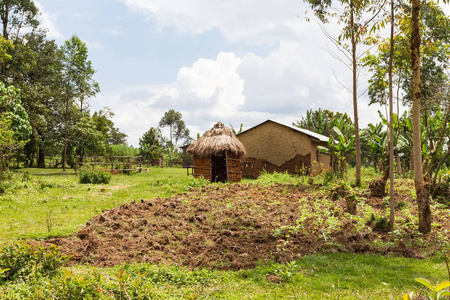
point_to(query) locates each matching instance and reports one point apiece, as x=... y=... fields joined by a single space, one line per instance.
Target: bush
x=381 y=224
x=94 y=176
x=14 y=181
x=19 y=260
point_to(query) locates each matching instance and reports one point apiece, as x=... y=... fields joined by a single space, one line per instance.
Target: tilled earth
x=236 y=226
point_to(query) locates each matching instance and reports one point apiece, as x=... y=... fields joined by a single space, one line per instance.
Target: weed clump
x=197 y=183
x=20 y=260
x=94 y=176
x=14 y=181
x=381 y=224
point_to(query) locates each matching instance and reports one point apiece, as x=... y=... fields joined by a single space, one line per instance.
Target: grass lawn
x=55 y=204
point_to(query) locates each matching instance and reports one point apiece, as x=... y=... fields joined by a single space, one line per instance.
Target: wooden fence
x=115 y=164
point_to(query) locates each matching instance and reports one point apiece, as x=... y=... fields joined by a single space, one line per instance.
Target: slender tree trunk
x=5 y=19
x=41 y=153
x=65 y=134
x=399 y=162
x=423 y=199
x=391 y=126
x=355 y=97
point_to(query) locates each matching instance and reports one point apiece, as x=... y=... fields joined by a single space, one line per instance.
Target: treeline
x=410 y=64
x=375 y=145
x=153 y=145
x=45 y=90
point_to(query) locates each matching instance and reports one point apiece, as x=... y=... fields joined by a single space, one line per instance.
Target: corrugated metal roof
x=317 y=136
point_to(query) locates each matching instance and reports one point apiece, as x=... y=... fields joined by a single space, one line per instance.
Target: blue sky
x=232 y=61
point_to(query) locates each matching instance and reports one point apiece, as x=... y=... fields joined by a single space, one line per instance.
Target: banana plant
x=376 y=138
x=434 y=292
x=340 y=150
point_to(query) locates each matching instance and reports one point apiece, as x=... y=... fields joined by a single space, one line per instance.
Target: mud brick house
x=218 y=155
x=272 y=146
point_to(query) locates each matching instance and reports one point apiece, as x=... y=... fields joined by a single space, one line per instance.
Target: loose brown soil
x=237 y=226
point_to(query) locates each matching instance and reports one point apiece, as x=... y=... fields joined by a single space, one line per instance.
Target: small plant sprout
x=434 y=292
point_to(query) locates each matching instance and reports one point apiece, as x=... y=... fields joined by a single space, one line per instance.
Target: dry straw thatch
x=216 y=140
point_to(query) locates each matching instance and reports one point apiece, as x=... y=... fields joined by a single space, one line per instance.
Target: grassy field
x=54 y=204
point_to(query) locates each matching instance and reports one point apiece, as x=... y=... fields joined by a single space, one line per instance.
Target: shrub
x=94 y=176
x=14 y=181
x=329 y=177
x=19 y=260
x=381 y=224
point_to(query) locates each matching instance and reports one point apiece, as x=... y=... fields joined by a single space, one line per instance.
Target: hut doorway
x=219 y=167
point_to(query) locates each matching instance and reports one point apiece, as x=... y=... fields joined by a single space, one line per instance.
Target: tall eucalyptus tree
x=77 y=80
x=353 y=14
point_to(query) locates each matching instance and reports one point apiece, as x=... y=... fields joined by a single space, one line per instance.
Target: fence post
x=112 y=164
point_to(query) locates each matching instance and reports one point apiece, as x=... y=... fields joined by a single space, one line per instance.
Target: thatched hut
x=218 y=155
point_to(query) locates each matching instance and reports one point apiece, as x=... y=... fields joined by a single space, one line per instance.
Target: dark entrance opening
x=219 y=168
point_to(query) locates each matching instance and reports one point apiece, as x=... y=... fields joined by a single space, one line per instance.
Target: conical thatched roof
x=216 y=140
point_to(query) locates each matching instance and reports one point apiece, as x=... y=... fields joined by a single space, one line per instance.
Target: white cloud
x=248 y=90
x=116 y=32
x=48 y=21
x=236 y=19
x=94 y=45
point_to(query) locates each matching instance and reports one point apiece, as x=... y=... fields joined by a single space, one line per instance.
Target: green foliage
x=434 y=292
x=105 y=126
x=323 y=121
x=234 y=130
x=197 y=183
x=381 y=224
x=163 y=275
x=284 y=273
x=77 y=71
x=69 y=286
x=177 y=127
x=10 y=181
x=19 y=260
x=122 y=150
x=86 y=138
x=14 y=123
x=150 y=145
x=340 y=150
x=11 y=107
x=89 y=175
x=329 y=177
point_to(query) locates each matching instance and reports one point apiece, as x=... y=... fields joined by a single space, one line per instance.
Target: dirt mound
x=226 y=227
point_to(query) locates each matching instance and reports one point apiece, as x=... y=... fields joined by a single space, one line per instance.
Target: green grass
x=56 y=200
x=319 y=276
x=52 y=196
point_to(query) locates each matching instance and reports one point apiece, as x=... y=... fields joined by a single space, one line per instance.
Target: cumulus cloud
x=234 y=18
x=48 y=21
x=248 y=90
x=289 y=80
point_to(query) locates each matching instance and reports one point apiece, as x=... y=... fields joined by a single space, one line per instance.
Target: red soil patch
x=228 y=227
